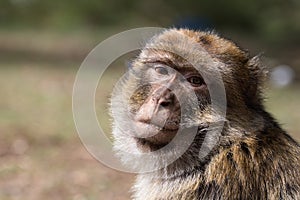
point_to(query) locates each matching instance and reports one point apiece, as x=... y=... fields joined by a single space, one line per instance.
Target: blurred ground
x=41 y=156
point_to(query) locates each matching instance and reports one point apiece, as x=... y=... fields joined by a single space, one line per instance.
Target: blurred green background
x=42 y=44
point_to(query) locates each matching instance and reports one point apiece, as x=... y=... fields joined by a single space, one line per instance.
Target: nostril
x=165 y=103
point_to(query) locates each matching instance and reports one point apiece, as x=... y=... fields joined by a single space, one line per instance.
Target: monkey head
x=168 y=88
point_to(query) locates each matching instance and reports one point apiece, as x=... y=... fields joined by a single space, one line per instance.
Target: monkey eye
x=161 y=70
x=195 y=81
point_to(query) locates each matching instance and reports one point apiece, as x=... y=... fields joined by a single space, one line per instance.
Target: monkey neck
x=151 y=186
x=233 y=133
x=190 y=162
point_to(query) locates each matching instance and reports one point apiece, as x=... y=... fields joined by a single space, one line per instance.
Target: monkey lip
x=153 y=134
x=163 y=125
x=169 y=126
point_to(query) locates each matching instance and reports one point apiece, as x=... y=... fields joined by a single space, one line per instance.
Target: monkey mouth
x=170 y=126
x=153 y=137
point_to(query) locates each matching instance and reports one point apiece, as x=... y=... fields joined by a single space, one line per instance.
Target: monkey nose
x=166 y=100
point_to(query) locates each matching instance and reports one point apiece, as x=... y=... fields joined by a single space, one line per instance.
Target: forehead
x=165 y=57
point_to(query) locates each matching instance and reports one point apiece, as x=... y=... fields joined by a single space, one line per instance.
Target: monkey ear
x=257 y=69
x=258 y=75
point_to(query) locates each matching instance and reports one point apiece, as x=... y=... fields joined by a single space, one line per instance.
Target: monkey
x=167 y=96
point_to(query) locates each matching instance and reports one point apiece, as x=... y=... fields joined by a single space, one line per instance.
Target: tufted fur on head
x=253 y=158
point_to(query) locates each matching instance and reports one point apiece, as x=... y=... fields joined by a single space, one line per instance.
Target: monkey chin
x=152 y=138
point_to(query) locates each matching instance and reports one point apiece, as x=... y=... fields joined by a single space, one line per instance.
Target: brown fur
x=254 y=158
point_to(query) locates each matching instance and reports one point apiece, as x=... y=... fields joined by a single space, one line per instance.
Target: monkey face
x=156 y=105
x=166 y=91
